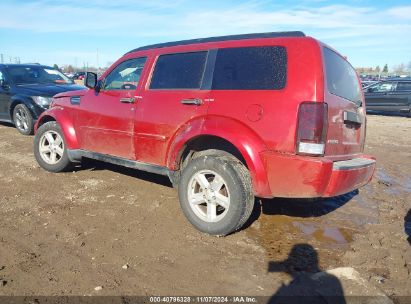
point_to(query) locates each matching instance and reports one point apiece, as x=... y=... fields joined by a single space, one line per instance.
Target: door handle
x=351 y=118
x=192 y=101
x=127 y=100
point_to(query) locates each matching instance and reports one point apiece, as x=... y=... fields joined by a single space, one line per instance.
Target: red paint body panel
x=241 y=136
x=299 y=176
x=65 y=120
x=261 y=124
x=343 y=181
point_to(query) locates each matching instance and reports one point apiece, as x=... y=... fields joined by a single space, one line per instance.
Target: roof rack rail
x=220 y=38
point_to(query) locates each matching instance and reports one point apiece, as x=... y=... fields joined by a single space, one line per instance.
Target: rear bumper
x=350 y=175
x=300 y=177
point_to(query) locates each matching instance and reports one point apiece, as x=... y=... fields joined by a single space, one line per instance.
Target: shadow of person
x=407 y=225
x=308 y=284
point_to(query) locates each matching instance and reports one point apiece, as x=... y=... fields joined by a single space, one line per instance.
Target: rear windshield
x=342 y=79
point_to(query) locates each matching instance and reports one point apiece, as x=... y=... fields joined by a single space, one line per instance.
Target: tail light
x=312 y=128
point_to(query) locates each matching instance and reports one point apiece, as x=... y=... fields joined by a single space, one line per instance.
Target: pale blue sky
x=369 y=33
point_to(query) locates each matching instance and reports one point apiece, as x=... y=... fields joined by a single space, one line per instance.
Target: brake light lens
x=312 y=128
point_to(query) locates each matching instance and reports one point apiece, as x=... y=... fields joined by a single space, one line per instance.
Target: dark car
x=389 y=96
x=26 y=90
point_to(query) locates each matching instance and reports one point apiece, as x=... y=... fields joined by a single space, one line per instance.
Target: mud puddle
x=328 y=225
x=393 y=186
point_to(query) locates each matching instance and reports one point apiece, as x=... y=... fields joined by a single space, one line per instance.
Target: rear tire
x=23 y=120
x=216 y=194
x=50 y=148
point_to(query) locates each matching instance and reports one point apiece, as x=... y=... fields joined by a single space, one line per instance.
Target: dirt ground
x=122 y=230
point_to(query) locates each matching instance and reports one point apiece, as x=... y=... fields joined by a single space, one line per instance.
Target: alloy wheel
x=208 y=196
x=51 y=147
x=21 y=119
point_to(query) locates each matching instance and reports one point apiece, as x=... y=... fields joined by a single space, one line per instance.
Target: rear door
x=346 y=112
x=378 y=97
x=401 y=96
x=172 y=99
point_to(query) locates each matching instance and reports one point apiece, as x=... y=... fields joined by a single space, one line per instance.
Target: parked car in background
x=26 y=90
x=389 y=96
x=367 y=83
x=225 y=118
x=79 y=75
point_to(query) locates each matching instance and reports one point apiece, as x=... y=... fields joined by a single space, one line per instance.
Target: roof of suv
x=221 y=38
x=24 y=65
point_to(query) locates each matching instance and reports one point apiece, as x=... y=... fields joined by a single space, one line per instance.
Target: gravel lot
x=122 y=230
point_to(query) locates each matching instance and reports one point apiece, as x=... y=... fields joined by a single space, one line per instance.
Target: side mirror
x=91 y=80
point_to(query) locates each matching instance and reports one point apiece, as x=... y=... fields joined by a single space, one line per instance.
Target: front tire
x=23 y=120
x=50 y=148
x=216 y=194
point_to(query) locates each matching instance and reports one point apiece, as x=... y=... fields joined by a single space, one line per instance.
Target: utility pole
x=2 y=60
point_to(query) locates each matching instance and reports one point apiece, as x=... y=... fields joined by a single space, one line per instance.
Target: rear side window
x=250 y=68
x=179 y=71
x=342 y=79
x=404 y=86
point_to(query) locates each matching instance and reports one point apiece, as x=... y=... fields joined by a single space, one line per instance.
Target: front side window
x=179 y=71
x=250 y=68
x=404 y=86
x=22 y=75
x=126 y=75
x=381 y=87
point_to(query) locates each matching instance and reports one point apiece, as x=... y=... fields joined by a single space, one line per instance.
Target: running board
x=76 y=155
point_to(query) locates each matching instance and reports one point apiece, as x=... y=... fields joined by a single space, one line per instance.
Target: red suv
x=226 y=118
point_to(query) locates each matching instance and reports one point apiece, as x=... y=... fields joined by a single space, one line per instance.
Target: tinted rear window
x=404 y=86
x=179 y=71
x=250 y=68
x=342 y=79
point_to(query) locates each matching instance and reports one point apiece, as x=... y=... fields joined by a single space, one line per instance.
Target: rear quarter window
x=179 y=71
x=341 y=79
x=250 y=68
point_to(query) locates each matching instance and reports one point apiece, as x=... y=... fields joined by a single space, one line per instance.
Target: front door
x=4 y=98
x=173 y=102
x=105 y=120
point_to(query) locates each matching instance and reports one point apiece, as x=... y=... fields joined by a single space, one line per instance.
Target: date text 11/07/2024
x=205 y=299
